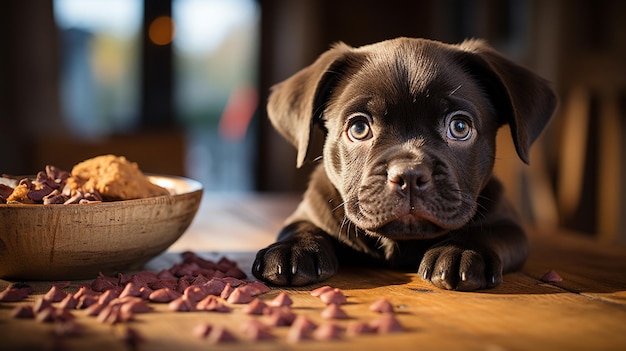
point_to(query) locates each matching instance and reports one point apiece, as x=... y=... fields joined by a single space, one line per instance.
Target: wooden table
x=586 y=311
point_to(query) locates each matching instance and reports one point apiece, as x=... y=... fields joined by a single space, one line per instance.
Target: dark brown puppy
x=406 y=178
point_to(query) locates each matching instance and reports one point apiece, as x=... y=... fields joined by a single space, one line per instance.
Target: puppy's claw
x=458 y=268
x=299 y=259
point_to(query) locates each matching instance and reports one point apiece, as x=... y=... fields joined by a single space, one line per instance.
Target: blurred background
x=179 y=86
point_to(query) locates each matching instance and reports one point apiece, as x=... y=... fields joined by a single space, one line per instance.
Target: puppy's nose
x=407 y=178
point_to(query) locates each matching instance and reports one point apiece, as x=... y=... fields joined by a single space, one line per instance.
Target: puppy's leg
x=476 y=256
x=472 y=260
x=303 y=255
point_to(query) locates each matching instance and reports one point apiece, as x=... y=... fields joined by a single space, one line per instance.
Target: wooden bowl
x=68 y=242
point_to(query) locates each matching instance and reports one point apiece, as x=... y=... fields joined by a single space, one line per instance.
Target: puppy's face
x=410 y=127
x=411 y=149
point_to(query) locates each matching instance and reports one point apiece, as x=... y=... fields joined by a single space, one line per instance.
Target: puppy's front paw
x=453 y=267
x=301 y=259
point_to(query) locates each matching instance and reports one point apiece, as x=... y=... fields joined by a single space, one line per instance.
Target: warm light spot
x=161 y=31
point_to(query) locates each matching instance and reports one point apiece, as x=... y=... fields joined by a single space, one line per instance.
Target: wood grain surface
x=585 y=311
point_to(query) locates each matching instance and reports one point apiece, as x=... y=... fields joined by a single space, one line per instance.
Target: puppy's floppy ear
x=295 y=104
x=522 y=99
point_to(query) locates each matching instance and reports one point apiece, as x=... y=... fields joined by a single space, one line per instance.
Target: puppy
x=406 y=180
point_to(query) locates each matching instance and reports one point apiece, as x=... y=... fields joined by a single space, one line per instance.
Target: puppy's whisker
x=456 y=89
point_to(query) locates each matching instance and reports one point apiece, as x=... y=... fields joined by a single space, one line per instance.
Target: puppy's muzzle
x=407 y=179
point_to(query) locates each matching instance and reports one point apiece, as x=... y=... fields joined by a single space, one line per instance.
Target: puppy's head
x=410 y=127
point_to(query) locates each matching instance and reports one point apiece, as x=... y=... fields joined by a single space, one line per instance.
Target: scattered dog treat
x=381 y=305
x=69 y=302
x=23 y=311
x=300 y=329
x=282 y=299
x=239 y=297
x=386 y=324
x=228 y=289
x=164 y=295
x=41 y=304
x=279 y=316
x=94 y=309
x=335 y=296
x=135 y=306
x=108 y=296
x=356 y=328
x=15 y=292
x=255 y=330
x=256 y=306
x=333 y=311
x=219 y=334
x=181 y=304
x=551 y=276
x=319 y=291
x=328 y=331
x=197 y=284
x=194 y=293
x=202 y=330
x=212 y=304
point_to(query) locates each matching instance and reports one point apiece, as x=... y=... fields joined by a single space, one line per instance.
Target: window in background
x=100 y=54
x=216 y=52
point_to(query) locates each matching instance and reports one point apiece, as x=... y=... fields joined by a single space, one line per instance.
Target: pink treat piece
x=255 y=306
x=357 y=328
x=211 y=303
x=41 y=304
x=135 y=306
x=333 y=311
x=239 y=297
x=319 y=291
x=12 y=295
x=132 y=289
x=382 y=305
x=328 y=331
x=386 y=324
x=214 y=286
x=228 y=289
x=164 y=295
x=300 y=329
x=23 y=311
x=234 y=282
x=551 y=276
x=335 y=296
x=202 y=330
x=107 y=296
x=69 y=302
x=55 y=294
x=235 y=272
x=84 y=291
x=194 y=293
x=279 y=316
x=103 y=283
x=255 y=330
x=181 y=304
x=94 y=309
x=282 y=299
x=219 y=334
x=262 y=288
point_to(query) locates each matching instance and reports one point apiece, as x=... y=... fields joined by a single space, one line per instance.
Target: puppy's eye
x=359 y=128
x=459 y=126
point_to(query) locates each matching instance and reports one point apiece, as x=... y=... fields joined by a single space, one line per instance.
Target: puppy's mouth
x=411 y=226
x=419 y=217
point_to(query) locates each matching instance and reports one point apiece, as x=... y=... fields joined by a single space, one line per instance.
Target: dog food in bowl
x=73 y=241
